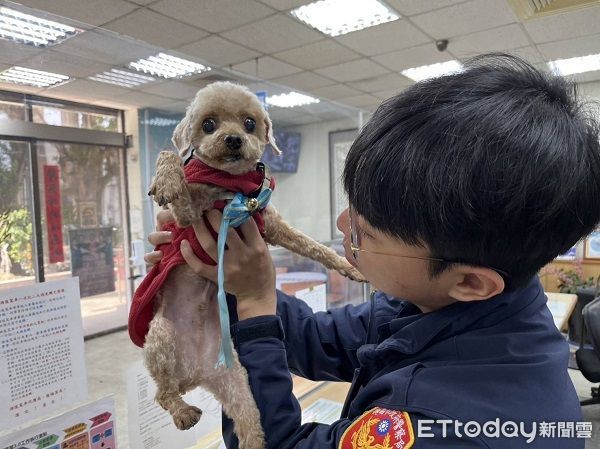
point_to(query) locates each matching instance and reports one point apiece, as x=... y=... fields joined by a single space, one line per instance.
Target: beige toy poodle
x=175 y=313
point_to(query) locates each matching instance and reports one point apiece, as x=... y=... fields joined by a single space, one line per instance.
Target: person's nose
x=343 y=223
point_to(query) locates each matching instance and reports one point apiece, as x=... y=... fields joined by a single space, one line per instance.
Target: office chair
x=588 y=360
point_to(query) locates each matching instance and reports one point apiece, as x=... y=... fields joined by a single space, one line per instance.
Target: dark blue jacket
x=502 y=358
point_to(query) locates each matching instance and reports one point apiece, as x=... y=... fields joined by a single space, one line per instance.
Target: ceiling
x=260 y=44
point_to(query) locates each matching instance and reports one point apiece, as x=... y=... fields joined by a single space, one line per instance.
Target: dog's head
x=227 y=126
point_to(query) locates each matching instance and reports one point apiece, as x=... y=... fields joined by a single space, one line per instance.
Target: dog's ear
x=270 y=138
x=182 y=135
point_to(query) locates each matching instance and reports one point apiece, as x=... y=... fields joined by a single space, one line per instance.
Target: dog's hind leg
x=232 y=389
x=160 y=360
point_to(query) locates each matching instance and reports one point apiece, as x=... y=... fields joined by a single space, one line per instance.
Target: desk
x=561 y=306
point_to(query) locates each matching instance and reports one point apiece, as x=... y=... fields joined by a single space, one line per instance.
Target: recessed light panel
x=123 y=78
x=167 y=66
x=26 y=29
x=572 y=66
x=30 y=77
x=290 y=100
x=337 y=17
x=432 y=71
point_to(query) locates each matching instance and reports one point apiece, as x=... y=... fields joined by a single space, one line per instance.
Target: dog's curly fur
x=182 y=344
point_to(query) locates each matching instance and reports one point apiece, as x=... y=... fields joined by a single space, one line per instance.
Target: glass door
x=84 y=227
x=17 y=236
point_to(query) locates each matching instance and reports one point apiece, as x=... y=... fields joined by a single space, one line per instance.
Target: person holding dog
x=461 y=188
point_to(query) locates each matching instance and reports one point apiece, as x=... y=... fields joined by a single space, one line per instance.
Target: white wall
x=134 y=176
x=303 y=198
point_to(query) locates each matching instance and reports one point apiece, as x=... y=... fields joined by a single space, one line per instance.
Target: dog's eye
x=208 y=126
x=250 y=124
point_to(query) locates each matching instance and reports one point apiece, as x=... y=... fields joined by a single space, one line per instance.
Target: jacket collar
x=410 y=332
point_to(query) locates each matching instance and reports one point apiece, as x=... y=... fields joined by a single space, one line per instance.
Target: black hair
x=497 y=165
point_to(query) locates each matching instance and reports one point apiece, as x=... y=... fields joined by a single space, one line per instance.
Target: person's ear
x=475 y=283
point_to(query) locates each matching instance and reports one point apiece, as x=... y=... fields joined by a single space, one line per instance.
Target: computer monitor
x=289 y=144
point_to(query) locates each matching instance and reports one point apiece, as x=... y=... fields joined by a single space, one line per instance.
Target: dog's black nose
x=233 y=142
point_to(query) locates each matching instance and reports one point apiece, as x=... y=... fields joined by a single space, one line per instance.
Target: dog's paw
x=350 y=272
x=165 y=191
x=187 y=417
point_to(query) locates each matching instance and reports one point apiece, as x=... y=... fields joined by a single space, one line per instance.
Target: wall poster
x=42 y=365
x=339 y=146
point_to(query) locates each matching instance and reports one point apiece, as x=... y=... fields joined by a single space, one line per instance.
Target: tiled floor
x=108 y=358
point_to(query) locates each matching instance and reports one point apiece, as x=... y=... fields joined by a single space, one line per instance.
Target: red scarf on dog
x=196 y=171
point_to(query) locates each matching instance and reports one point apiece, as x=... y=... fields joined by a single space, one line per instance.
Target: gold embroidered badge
x=379 y=429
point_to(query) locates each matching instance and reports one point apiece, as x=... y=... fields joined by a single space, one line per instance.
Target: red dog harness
x=196 y=171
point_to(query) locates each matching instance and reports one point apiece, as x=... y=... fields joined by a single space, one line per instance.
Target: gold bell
x=252 y=205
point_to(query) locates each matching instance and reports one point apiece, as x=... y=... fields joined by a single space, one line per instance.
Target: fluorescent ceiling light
x=431 y=71
x=30 y=77
x=575 y=65
x=122 y=78
x=290 y=100
x=337 y=17
x=23 y=28
x=167 y=66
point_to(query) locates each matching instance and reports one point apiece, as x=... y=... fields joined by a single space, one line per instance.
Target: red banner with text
x=53 y=213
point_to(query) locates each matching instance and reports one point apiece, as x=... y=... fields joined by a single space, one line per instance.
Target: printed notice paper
x=91 y=426
x=42 y=366
x=151 y=427
x=315 y=297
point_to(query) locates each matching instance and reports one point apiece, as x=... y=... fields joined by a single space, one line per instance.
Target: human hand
x=159 y=237
x=247 y=265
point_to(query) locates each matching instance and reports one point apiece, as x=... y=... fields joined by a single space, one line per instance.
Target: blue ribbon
x=234 y=214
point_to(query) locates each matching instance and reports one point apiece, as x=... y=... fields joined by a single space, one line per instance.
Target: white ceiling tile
x=570 y=48
x=336 y=92
x=266 y=68
x=142 y=99
x=502 y=38
x=304 y=81
x=284 y=5
x=178 y=106
x=57 y=62
x=86 y=11
x=171 y=89
x=218 y=51
x=384 y=38
x=142 y=2
x=156 y=29
x=362 y=101
x=577 y=23
x=12 y=52
x=352 y=71
x=465 y=18
x=319 y=54
x=412 y=57
x=377 y=83
x=413 y=7
x=105 y=47
x=389 y=93
x=274 y=34
x=88 y=90
x=213 y=15
x=530 y=54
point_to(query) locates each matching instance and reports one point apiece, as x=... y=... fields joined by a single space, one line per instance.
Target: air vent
x=531 y=9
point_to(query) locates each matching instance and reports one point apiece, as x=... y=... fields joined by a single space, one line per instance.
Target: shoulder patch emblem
x=379 y=428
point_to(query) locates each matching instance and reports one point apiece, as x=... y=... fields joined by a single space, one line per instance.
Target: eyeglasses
x=355 y=246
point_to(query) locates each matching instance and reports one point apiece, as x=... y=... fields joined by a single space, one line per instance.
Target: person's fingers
x=205 y=238
x=153 y=257
x=233 y=241
x=160 y=237
x=197 y=266
x=163 y=217
x=251 y=233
